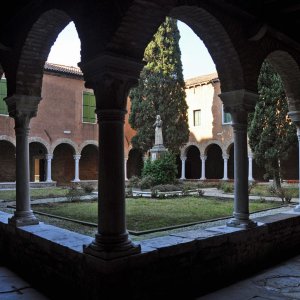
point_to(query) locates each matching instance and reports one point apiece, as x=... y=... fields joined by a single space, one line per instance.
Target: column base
x=75 y=180
x=297 y=208
x=20 y=219
x=241 y=221
x=109 y=248
x=225 y=179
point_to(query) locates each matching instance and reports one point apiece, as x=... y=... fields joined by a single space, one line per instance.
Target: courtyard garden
x=148 y=214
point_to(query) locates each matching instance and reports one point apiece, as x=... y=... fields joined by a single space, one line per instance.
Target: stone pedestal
x=156 y=151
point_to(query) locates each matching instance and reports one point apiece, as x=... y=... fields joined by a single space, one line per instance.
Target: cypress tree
x=161 y=91
x=271 y=132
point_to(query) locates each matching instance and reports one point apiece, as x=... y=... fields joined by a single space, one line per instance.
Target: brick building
x=63 y=137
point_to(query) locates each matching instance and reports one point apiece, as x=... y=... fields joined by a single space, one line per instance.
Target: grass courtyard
x=146 y=214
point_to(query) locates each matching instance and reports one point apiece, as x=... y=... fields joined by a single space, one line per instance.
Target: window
x=197 y=117
x=226 y=116
x=3 y=94
x=88 y=109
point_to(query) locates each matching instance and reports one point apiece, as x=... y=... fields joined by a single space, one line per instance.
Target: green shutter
x=3 y=94
x=89 y=105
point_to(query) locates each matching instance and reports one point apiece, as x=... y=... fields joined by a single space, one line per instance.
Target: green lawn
x=146 y=214
x=36 y=193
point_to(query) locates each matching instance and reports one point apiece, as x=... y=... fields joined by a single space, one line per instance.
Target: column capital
x=203 y=157
x=111 y=76
x=295 y=117
x=225 y=156
x=238 y=103
x=183 y=157
x=49 y=156
x=22 y=106
x=77 y=156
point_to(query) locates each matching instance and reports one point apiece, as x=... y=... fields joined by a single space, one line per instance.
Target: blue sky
x=194 y=55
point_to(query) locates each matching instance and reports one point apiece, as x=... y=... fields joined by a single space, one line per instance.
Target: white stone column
x=295 y=116
x=22 y=108
x=76 y=158
x=49 y=158
x=297 y=208
x=250 y=164
x=238 y=103
x=183 y=160
x=225 y=159
x=125 y=167
x=111 y=76
x=203 y=159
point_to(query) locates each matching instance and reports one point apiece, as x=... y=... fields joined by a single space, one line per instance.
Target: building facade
x=63 y=137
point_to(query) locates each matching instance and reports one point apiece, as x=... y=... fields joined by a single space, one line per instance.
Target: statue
x=158 y=131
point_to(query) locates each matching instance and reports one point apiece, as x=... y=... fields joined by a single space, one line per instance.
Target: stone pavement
x=277 y=283
x=13 y=287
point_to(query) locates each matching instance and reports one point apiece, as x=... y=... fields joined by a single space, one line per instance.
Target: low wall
x=180 y=266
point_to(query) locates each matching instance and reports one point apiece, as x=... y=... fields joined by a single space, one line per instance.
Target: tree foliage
x=162 y=170
x=271 y=132
x=161 y=91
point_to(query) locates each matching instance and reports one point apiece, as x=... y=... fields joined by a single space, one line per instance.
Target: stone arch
x=37 y=159
x=8 y=139
x=86 y=143
x=193 y=163
x=41 y=141
x=135 y=163
x=7 y=159
x=184 y=149
x=218 y=42
x=230 y=153
x=89 y=161
x=214 y=166
x=65 y=141
x=288 y=69
x=211 y=142
x=42 y=34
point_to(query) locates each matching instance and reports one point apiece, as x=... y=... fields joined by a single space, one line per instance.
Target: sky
x=195 y=57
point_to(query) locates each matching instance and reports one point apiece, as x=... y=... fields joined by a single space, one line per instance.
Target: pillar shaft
x=203 y=159
x=111 y=76
x=225 y=159
x=125 y=168
x=250 y=164
x=239 y=103
x=76 y=158
x=49 y=158
x=297 y=208
x=22 y=109
x=183 y=159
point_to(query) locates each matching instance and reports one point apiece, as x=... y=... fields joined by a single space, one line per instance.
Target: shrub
x=226 y=187
x=74 y=193
x=146 y=182
x=88 y=187
x=134 y=181
x=162 y=170
x=283 y=193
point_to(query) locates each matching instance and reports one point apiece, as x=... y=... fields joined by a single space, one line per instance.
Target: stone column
x=76 y=158
x=239 y=103
x=125 y=168
x=295 y=116
x=225 y=159
x=183 y=160
x=111 y=77
x=49 y=158
x=203 y=159
x=22 y=108
x=250 y=163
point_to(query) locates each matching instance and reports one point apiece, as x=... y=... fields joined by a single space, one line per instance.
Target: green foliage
x=284 y=194
x=162 y=170
x=161 y=91
x=226 y=187
x=271 y=132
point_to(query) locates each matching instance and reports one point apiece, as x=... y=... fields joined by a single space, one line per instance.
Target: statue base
x=156 y=151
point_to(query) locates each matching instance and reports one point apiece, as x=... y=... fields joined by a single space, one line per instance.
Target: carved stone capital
x=238 y=103
x=22 y=106
x=111 y=76
x=295 y=117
